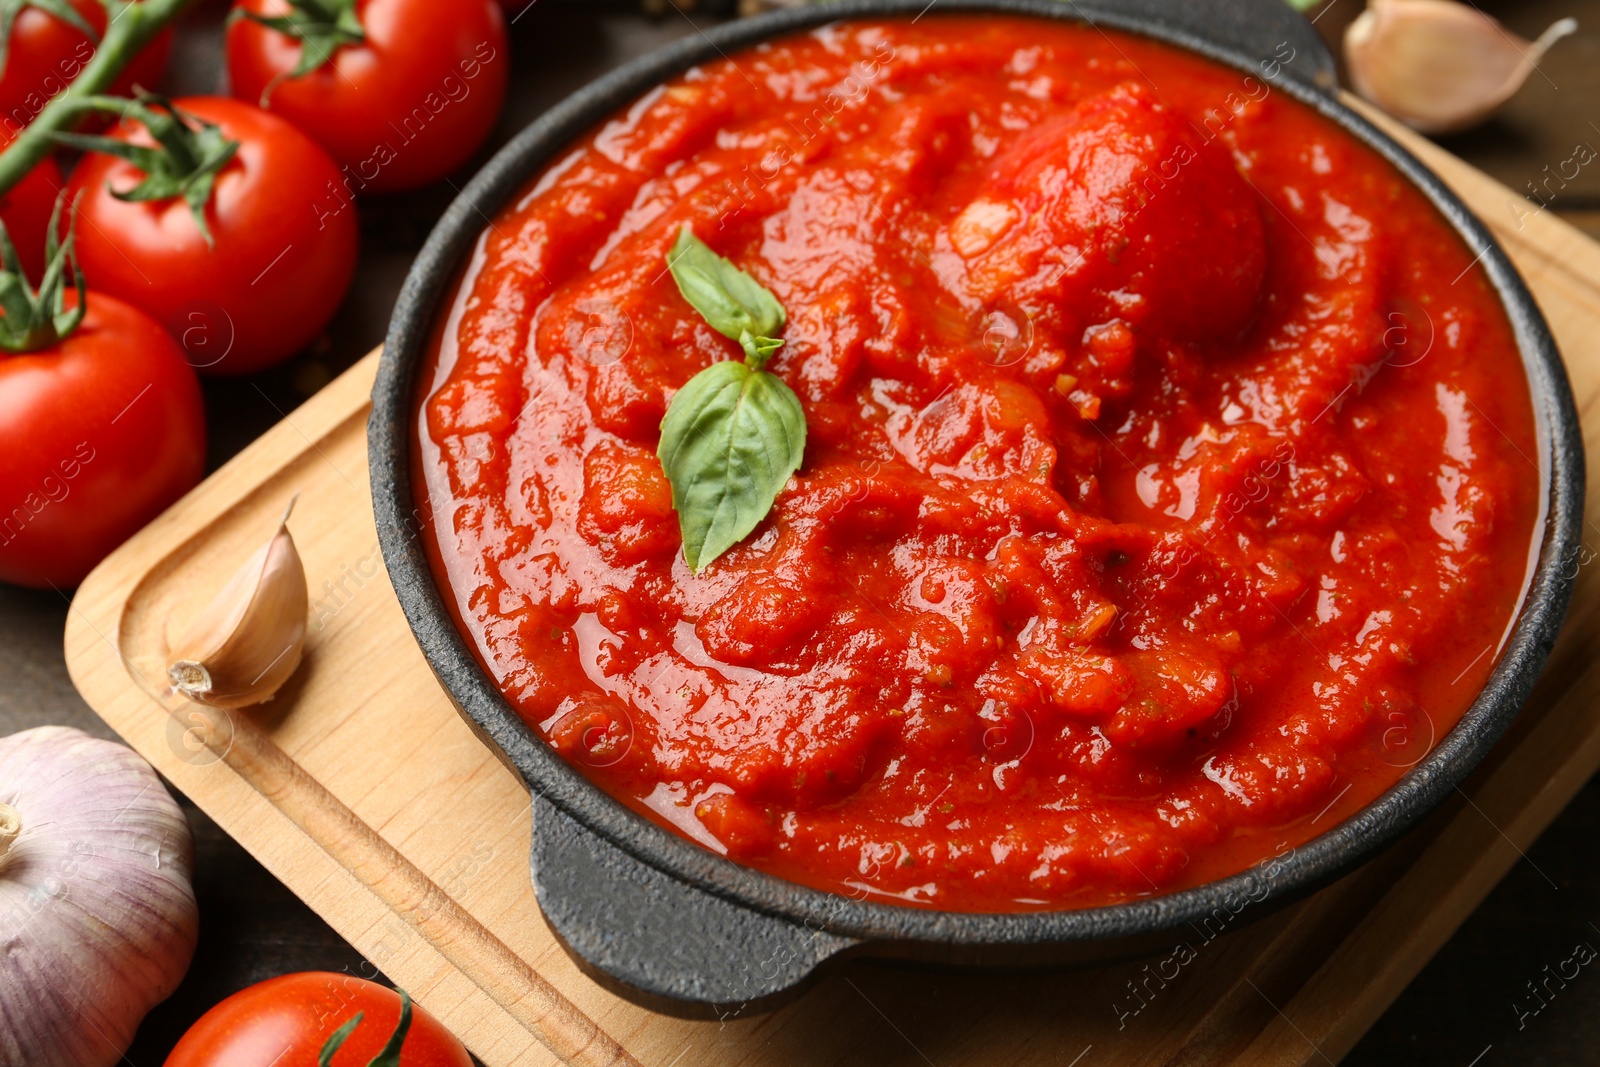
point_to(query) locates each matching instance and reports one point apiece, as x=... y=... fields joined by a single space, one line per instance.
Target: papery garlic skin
x=1437 y=65
x=97 y=915
x=249 y=639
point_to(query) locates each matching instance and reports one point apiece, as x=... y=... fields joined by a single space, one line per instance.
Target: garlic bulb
x=1437 y=65
x=97 y=917
x=248 y=640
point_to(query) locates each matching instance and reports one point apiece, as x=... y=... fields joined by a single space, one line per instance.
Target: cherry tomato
x=401 y=110
x=25 y=209
x=45 y=54
x=285 y=1021
x=101 y=431
x=284 y=234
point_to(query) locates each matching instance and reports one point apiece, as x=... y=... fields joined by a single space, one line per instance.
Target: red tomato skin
x=25 y=209
x=102 y=432
x=398 y=112
x=284 y=1022
x=285 y=238
x=46 y=54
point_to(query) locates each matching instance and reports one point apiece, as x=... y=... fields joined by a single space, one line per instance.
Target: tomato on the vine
x=101 y=425
x=45 y=52
x=400 y=92
x=243 y=239
x=287 y=1021
x=25 y=207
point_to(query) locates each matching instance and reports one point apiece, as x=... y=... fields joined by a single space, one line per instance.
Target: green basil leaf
x=731 y=438
x=734 y=303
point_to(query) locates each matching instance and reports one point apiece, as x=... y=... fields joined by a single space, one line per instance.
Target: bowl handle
x=1279 y=41
x=658 y=941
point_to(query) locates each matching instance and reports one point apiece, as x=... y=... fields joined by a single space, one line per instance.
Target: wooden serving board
x=362 y=789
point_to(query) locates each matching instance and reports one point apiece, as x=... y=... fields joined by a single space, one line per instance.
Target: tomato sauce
x=1167 y=490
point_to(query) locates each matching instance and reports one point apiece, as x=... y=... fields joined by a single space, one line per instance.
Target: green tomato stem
x=129 y=28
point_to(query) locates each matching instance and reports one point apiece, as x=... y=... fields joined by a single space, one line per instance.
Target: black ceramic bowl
x=675 y=925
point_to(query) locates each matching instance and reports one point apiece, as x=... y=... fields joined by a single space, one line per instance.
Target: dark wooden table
x=1459 y=1012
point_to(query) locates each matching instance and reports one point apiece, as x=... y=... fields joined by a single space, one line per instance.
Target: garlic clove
x=1437 y=65
x=247 y=642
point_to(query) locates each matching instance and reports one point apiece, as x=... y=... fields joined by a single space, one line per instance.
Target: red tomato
x=405 y=108
x=25 y=209
x=285 y=1021
x=101 y=431
x=46 y=53
x=285 y=242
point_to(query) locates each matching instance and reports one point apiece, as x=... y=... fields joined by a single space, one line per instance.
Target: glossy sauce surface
x=1168 y=488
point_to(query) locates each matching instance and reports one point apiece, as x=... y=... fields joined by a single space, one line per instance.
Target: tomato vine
x=130 y=27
